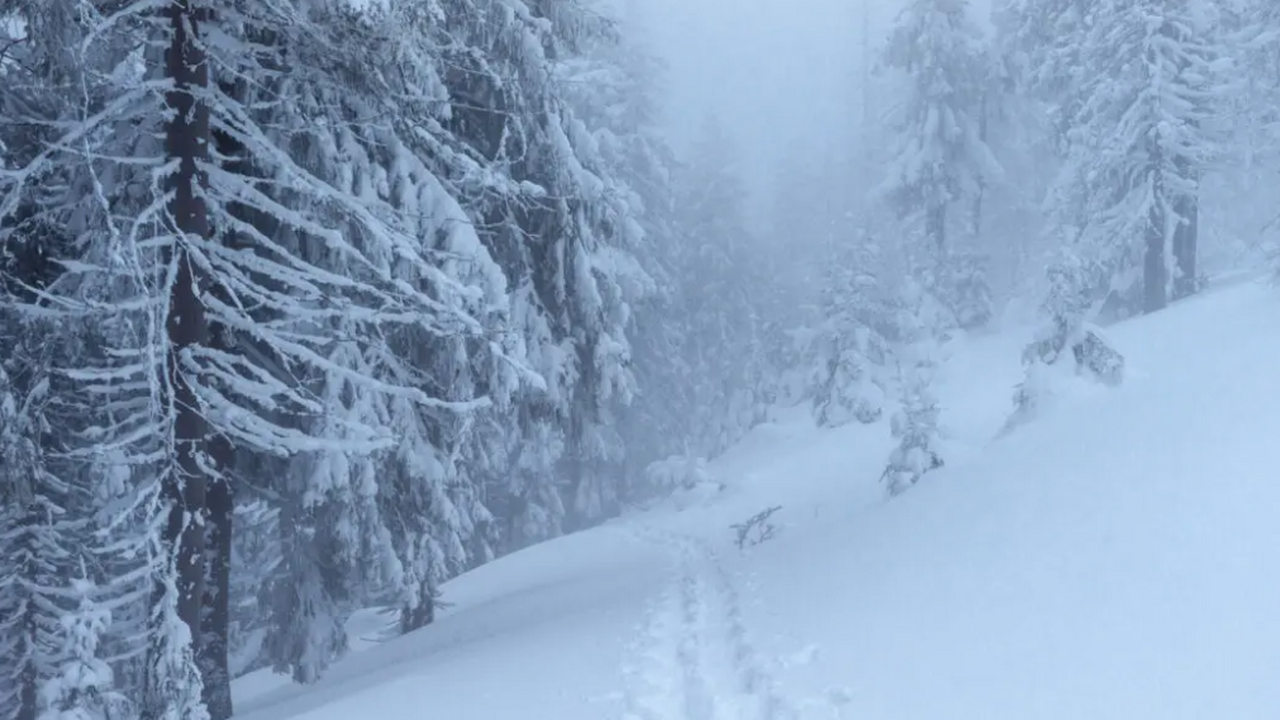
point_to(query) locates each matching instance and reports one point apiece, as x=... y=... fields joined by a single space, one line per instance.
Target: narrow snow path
x=694 y=660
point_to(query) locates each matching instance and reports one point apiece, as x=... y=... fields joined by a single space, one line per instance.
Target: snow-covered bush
x=1068 y=347
x=921 y=326
x=83 y=689
x=967 y=294
x=680 y=479
x=844 y=386
x=915 y=426
x=848 y=347
x=678 y=472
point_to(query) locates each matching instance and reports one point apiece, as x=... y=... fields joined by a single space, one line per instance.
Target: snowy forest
x=309 y=306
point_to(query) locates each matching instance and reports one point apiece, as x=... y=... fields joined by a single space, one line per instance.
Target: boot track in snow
x=694 y=660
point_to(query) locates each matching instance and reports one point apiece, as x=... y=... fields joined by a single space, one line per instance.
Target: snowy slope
x=1119 y=557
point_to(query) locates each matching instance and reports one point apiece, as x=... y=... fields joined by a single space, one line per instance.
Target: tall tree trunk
x=422 y=615
x=213 y=654
x=936 y=228
x=28 y=675
x=187 y=143
x=213 y=657
x=1185 y=240
x=1154 y=271
x=982 y=182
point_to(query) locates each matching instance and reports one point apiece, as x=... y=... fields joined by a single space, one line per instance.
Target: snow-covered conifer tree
x=243 y=274
x=849 y=379
x=612 y=86
x=84 y=687
x=31 y=554
x=942 y=156
x=725 y=346
x=1066 y=339
x=1136 y=87
x=915 y=424
x=1252 y=29
x=554 y=212
x=255 y=558
x=608 y=279
x=811 y=227
x=44 y=493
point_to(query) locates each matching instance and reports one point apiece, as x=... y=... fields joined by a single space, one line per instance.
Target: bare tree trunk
x=187 y=143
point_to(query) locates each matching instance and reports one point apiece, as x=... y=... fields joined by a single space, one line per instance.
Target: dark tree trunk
x=1155 y=273
x=1153 y=268
x=424 y=614
x=936 y=228
x=215 y=632
x=1185 y=234
x=28 y=676
x=215 y=643
x=1155 y=276
x=187 y=143
x=982 y=182
x=1184 y=245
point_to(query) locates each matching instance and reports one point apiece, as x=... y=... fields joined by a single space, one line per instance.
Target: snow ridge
x=694 y=660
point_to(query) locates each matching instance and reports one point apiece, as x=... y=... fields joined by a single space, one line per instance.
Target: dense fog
x=309 y=308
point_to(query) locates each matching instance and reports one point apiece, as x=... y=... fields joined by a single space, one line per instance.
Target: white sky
x=772 y=69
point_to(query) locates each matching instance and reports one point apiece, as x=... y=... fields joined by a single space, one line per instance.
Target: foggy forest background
x=308 y=306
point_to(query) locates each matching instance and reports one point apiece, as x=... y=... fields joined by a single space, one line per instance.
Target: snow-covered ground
x=1118 y=557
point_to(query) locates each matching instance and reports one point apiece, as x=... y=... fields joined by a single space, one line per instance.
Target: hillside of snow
x=1118 y=557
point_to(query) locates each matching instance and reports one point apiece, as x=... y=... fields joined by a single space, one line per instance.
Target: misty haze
x=639 y=359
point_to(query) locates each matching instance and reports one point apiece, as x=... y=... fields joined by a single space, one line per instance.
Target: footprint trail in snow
x=694 y=661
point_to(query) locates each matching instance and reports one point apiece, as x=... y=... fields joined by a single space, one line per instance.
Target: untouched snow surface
x=1118 y=557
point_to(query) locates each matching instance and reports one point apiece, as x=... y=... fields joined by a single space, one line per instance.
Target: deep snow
x=1117 y=557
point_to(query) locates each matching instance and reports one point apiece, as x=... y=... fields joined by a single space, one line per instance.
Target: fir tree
x=337 y=228
x=1066 y=339
x=1136 y=86
x=848 y=382
x=915 y=424
x=84 y=687
x=725 y=346
x=942 y=156
x=255 y=559
x=613 y=88
x=32 y=536
x=560 y=223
